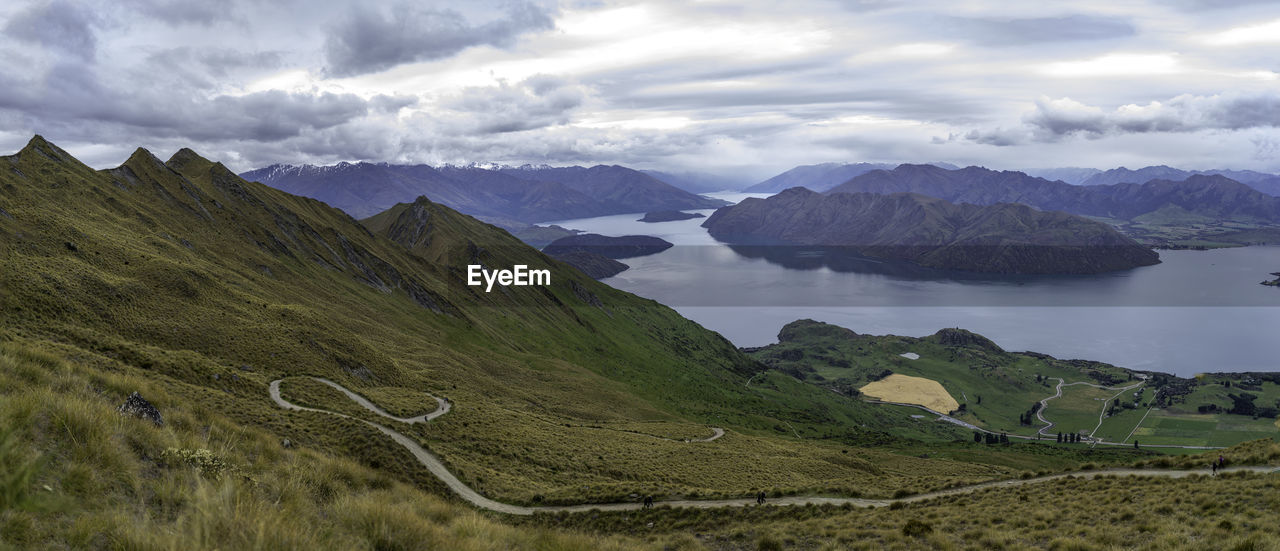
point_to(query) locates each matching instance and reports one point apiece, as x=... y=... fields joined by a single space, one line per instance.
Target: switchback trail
x=1044 y=404
x=437 y=468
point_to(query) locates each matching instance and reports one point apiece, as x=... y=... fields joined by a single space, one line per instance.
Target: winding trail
x=1044 y=404
x=438 y=469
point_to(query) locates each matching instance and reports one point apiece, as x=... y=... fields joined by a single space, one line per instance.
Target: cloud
x=59 y=26
x=998 y=137
x=206 y=68
x=1264 y=33
x=202 y=12
x=1010 y=32
x=536 y=102
x=1059 y=117
x=72 y=98
x=371 y=40
x=1053 y=119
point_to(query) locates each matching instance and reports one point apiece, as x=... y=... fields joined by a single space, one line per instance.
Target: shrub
x=209 y=465
x=916 y=528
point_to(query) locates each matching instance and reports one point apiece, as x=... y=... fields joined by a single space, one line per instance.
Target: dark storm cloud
x=1008 y=32
x=273 y=114
x=58 y=26
x=73 y=97
x=1054 y=119
x=372 y=40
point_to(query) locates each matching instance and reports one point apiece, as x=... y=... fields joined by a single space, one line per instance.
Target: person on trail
x=648 y=502
x=1214 y=465
x=760 y=498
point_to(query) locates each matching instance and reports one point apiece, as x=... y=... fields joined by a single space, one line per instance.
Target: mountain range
x=697 y=182
x=1266 y=183
x=512 y=197
x=1198 y=197
x=1002 y=238
x=820 y=177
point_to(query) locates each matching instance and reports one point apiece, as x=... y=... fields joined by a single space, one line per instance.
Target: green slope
x=190 y=274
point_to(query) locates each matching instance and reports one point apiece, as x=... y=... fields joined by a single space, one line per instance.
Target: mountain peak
x=142 y=155
x=184 y=157
x=39 y=146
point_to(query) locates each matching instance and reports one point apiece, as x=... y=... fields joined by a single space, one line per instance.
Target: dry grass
x=89 y=477
x=912 y=390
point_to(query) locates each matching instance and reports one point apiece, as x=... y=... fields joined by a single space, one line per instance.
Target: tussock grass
x=1235 y=511
x=79 y=474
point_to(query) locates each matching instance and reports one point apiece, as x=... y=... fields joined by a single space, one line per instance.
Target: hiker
x=760 y=498
x=648 y=502
x=1214 y=465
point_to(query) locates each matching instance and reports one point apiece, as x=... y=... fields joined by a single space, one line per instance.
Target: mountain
x=1266 y=183
x=1195 y=201
x=617 y=188
x=1070 y=175
x=697 y=182
x=819 y=177
x=511 y=197
x=1003 y=238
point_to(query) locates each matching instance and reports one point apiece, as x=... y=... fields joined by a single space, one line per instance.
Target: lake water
x=1195 y=312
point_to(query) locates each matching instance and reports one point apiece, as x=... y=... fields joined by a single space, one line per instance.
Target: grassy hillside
x=196 y=277
x=80 y=475
x=999 y=390
x=1229 y=511
x=196 y=289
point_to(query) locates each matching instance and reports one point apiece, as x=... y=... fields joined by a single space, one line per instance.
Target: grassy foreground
x=78 y=474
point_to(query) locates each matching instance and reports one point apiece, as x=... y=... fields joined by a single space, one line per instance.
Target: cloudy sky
x=741 y=87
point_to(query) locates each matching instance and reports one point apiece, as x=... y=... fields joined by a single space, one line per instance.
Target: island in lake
x=596 y=266
x=626 y=246
x=1003 y=238
x=669 y=216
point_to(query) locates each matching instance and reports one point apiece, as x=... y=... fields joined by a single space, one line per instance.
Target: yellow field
x=912 y=390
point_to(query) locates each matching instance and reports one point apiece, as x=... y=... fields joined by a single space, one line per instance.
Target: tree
x=979 y=399
x=1059 y=438
x=977 y=437
x=1135 y=444
x=1004 y=438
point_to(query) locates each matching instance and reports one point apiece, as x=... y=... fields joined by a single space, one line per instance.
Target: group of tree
x=1028 y=417
x=990 y=438
x=1069 y=438
x=1242 y=404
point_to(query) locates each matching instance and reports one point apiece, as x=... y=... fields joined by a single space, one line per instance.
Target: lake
x=1197 y=311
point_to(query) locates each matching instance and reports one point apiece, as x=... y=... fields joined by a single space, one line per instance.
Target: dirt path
x=437 y=469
